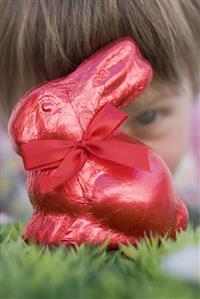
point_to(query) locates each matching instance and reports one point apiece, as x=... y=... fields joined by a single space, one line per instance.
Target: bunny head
x=63 y=108
x=105 y=198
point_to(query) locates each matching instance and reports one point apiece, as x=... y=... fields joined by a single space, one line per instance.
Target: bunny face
x=44 y=113
x=104 y=200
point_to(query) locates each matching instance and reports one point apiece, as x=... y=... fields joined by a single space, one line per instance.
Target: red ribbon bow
x=69 y=158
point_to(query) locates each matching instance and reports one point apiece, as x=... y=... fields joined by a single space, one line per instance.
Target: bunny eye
x=48 y=105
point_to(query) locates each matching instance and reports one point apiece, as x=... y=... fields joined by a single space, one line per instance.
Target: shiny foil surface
x=104 y=200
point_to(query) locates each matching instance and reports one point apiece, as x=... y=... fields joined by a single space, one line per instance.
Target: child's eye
x=150 y=123
x=147 y=117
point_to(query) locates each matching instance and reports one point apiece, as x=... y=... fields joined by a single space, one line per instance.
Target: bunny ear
x=115 y=74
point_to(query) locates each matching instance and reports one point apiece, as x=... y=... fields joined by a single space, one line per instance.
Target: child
x=43 y=40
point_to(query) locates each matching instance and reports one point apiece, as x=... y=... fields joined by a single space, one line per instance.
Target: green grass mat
x=32 y=272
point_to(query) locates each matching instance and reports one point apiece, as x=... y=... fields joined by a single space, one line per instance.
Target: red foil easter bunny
x=87 y=180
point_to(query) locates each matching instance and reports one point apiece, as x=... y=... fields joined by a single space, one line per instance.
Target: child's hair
x=45 y=39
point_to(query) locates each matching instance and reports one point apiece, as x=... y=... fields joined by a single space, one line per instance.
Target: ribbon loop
x=69 y=158
x=105 y=122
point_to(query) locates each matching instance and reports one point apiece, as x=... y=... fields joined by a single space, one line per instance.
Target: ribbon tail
x=68 y=168
x=43 y=154
x=124 y=153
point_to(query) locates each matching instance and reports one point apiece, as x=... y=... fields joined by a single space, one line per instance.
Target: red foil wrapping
x=103 y=198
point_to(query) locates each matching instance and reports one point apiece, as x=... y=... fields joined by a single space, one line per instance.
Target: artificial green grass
x=32 y=272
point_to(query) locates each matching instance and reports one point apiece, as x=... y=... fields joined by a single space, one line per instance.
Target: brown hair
x=45 y=39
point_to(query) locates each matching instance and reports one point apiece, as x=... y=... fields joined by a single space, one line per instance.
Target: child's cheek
x=172 y=145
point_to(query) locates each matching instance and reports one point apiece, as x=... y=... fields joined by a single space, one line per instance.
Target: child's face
x=160 y=118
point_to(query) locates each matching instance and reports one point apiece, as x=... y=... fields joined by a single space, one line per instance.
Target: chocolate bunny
x=98 y=197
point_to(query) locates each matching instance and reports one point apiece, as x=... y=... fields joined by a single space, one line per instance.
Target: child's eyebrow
x=141 y=103
x=152 y=97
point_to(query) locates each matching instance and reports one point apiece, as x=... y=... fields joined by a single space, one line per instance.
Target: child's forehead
x=160 y=93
